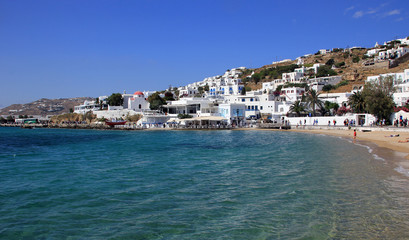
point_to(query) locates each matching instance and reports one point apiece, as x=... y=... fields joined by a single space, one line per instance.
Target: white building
x=137 y=102
x=257 y=104
x=318 y=83
x=324 y=51
x=89 y=106
x=292 y=94
x=392 y=53
x=233 y=112
x=401 y=82
x=339 y=98
x=372 y=52
x=188 y=91
x=293 y=77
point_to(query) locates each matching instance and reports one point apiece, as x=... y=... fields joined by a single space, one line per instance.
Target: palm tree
x=325 y=108
x=297 y=107
x=329 y=108
x=357 y=102
x=312 y=99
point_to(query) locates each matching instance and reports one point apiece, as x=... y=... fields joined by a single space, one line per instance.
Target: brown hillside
x=354 y=72
x=44 y=107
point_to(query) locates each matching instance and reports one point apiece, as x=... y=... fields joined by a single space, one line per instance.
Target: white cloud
x=358 y=14
x=372 y=11
x=393 y=12
x=349 y=9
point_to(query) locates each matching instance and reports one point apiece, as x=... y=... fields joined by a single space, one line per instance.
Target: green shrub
x=183 y=116
x=325 y=70
x=340 y=64
x=342 y=83
x=328 y=87
x=330 y=62
x=356 y=59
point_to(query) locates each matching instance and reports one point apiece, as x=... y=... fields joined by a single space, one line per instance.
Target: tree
x=340 y=64
x=155 y=101
x=115 y=99
x=206 y=87
x=88 y=116
x=330 y=62
x=297 y=107
x=378 y=97
x=346 y=55
x=168 y=96
x=325 y=70
x=328 y=87
x=256 y=77
x=312 y=99
x=10 y=119
x=356 y=59
x=357 y=102
x=326 y=108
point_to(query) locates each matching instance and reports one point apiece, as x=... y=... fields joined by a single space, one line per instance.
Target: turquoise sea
x=89 y=184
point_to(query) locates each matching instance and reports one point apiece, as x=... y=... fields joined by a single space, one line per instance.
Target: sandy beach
x=381 y=138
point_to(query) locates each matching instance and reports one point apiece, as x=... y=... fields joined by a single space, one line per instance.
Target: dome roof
x=138 y=93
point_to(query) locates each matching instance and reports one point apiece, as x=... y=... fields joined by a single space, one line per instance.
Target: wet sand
x=380 y=138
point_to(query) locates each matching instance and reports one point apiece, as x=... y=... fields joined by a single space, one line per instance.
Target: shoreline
x=381 y=138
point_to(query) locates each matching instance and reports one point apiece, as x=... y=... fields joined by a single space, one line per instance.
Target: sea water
x=89 y=184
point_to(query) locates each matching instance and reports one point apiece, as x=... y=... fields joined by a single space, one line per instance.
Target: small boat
x=115 y=122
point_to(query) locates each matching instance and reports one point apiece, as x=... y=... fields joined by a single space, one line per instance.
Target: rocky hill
x=44 y=107
x=352 y=65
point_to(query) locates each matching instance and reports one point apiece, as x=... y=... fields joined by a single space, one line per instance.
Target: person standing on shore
x=354 y=133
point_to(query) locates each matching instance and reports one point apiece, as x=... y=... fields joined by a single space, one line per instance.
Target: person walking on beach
x=354 y=133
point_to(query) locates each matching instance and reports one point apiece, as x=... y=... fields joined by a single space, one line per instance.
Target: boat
x=115 y=122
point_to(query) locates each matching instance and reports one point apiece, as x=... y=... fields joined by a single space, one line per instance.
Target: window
x=251 y=99
x=261 y=107
x=140 y=106
x=243 y=99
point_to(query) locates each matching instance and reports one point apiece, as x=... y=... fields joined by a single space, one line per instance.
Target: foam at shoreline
x=378 y=144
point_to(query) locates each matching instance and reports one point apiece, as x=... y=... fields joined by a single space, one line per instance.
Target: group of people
x=401 y=122
x=348 y=123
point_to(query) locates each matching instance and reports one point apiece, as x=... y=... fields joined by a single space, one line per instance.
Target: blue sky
x=74 y=48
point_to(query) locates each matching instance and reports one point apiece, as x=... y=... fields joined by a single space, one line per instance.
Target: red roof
x=138 y=93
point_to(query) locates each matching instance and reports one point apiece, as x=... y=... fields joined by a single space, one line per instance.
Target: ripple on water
x=197 y=185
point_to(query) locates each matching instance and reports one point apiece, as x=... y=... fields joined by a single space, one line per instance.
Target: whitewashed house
x=339 y=98
x=138 y=102
x=292 y=94
x=318 y=83
x=87 y=106
x=401 y=83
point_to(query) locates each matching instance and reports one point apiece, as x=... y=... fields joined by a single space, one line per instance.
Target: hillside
x=44 y=107
x=355 y=72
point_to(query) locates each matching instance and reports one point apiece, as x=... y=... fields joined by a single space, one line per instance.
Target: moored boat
x=115 y=122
